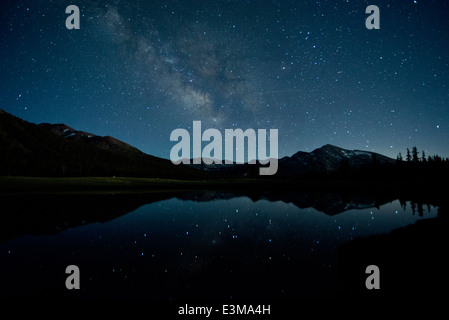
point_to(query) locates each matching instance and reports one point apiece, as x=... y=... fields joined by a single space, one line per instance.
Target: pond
x=191 y=245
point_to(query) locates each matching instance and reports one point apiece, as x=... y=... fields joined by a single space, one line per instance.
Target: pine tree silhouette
x=408 y=157
x=415 y=157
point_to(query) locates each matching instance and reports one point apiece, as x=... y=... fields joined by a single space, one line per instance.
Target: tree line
x=415 y=157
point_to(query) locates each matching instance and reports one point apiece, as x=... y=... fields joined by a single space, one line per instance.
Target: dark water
x=197 y=246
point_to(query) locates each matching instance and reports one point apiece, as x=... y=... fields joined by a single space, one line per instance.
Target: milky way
x=137 y=70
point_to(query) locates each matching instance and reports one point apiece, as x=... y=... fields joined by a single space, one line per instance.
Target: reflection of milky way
x=138 y=70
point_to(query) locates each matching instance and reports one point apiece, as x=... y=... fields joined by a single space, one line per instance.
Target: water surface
x=189 y=246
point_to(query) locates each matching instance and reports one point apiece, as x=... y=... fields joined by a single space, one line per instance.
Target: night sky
x=136 y=70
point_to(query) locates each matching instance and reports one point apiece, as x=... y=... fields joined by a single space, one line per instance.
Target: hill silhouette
x=28 y=149
x=57 y=150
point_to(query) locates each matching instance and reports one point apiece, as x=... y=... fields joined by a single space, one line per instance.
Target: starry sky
x=136 y=70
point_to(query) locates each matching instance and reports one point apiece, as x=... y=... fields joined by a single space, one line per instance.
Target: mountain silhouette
x=27 y=149
x=107 y=142
x=47 y=149
x=329 y=158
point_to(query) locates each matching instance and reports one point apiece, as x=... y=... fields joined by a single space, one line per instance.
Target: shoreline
x=397 y=188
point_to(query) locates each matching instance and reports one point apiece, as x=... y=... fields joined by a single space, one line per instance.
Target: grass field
x=9 y=184
x=14 y=184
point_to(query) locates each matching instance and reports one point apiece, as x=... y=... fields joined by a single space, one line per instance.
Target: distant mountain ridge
x=106 y=142
x=59 y=150
x=323 y=160
x=329 y=158
x=27 y=149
